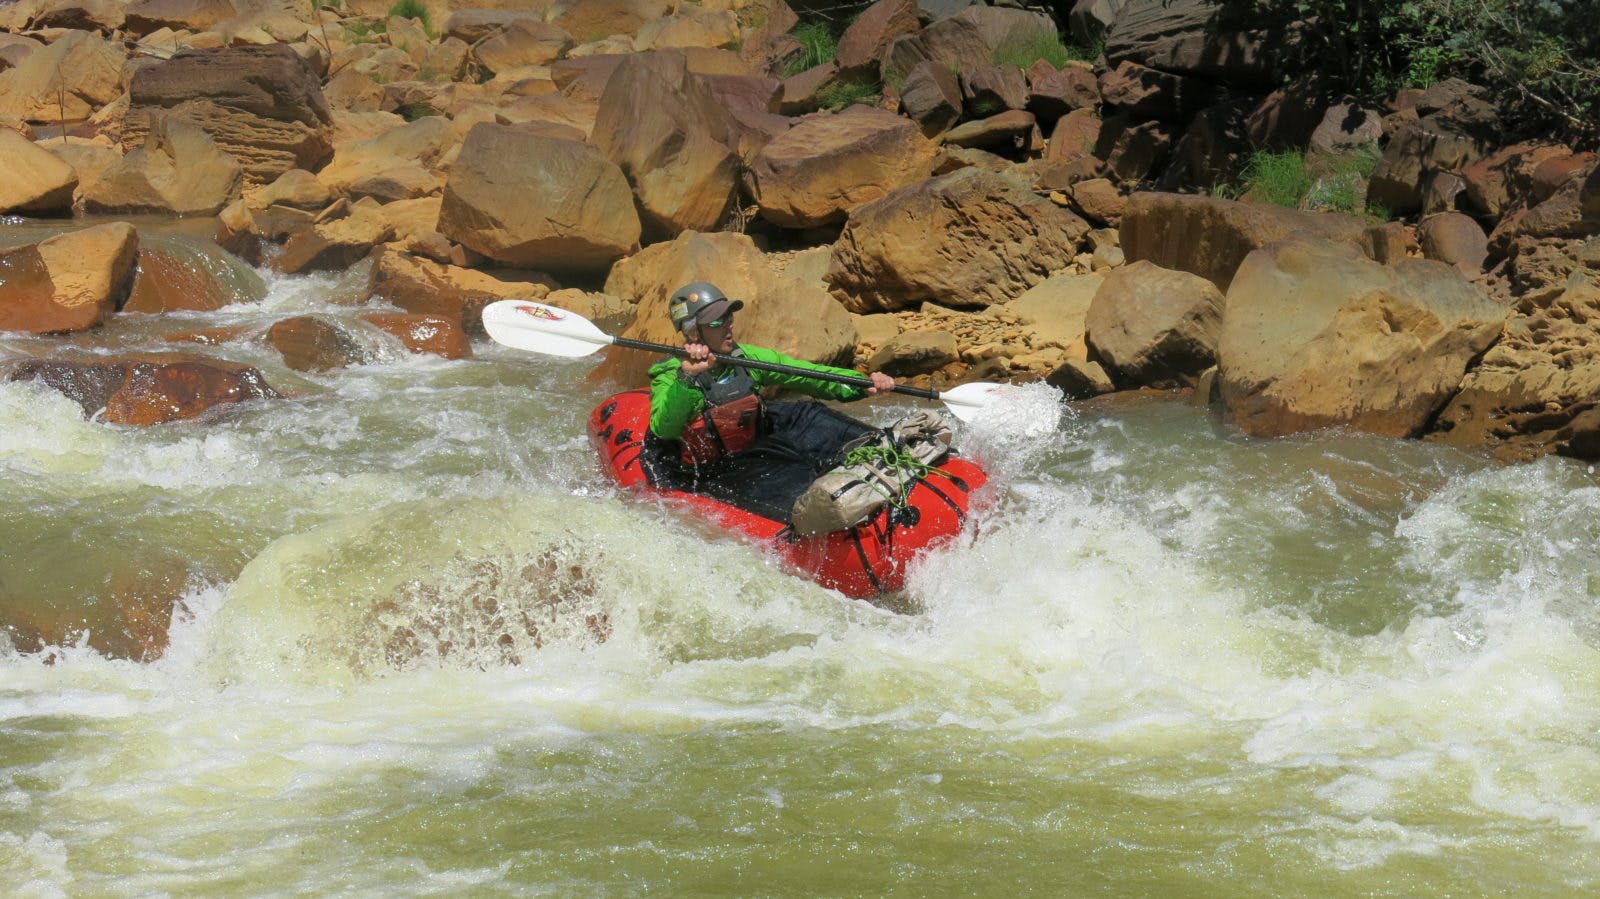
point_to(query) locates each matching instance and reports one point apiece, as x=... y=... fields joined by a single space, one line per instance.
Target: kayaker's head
x=702 y=312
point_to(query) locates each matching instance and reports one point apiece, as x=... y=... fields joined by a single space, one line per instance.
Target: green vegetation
x=410 y=9
x=1288 y=179
x=413 y=111
x=363 y=31
x=821 y=45
x=1023 y=51
x=843 y=94
x=1277 y=178
x=1539 y=59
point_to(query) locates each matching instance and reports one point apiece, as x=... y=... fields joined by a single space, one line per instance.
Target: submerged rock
x=145 y=388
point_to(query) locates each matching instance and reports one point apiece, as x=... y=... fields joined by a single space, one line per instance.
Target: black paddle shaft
x=681 y=353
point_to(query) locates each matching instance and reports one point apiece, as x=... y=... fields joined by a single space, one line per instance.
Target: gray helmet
x=696 y=303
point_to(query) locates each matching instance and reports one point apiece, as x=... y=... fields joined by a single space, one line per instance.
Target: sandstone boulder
x=1419 y=151
x=1184 y=36
x=178 y=273
x=1537 y=390
x=915 y=353
x=424 y=335
x=528 y=200
x=81 y=15
x=932 y=98
x=262 y=105
x=1054 y=312
x=69 y=282
x=317 y=343
x=179 y=169
x=1210 y=237
x=1504 y=178
x=1316 y=335
x=36 y=180
x=146 y=16
x=1455 y=239
x=297 y=189
x=147 y=388
x=665 y=130
x=425 y=287
x=522 y=43
x=400 y=164
x=969 y=238
x=592 y=20
x=866 y=39
x=1135 y=150
x=66 y=80
x=965 y=41
x=1150 y=93
x=336 y=239
x=827 y=165
x=786 y=314
x=1155 y=327
x=1009 y=130
x=691 y=27
x=988 y=90
x=473 y=25
x=1052 y=92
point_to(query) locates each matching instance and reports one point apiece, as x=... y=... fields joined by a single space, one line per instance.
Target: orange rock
x=128 y=619
x=147 y=389
x=165 y=284
x=433 y=334
x=207 y=336
x=313 y=343
x=69 y=282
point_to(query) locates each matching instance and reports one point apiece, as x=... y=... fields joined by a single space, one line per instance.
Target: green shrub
x=842 y=94
x=410 y=9
x=1022 y=51
x=413 y=111
x=1539 y=59
x=1277 y=178
x=821 y=46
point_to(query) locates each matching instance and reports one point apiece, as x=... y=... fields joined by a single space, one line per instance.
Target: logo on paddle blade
x=544 y=312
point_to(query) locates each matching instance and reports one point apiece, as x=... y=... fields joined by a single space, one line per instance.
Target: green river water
x=1167 y=660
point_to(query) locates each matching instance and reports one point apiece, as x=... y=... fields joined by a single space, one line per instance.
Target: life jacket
x=731 y=420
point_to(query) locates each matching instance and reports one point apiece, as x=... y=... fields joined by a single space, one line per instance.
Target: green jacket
x=675 y=401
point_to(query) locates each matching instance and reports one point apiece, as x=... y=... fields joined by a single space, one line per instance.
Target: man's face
x=718 y=334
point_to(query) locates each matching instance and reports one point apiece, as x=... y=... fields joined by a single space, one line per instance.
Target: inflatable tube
x=862 y=563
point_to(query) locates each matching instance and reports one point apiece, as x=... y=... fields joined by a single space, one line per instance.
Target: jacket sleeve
x=825 y=390
x=673 y=400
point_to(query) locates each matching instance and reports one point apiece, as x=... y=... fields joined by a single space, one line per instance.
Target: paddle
x=526 y=325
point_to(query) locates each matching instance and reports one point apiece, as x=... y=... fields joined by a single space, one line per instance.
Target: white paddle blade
x=967 y=401
x=537 y=328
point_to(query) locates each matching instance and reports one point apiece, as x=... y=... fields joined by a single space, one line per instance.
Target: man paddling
x=732 y=445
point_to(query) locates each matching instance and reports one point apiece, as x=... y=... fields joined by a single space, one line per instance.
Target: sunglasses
x=723 y=322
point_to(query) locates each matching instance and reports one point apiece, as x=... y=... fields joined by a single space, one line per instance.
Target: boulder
x=932 y=98
x=965 y=41
x=988 y=90
x=179 y=169
x=424 y=335
x=787 y=314
x=592 y=20
x=1316 y=335
x=751 y=102
x=317 y=343
x=81 y=15
x=296 y=189
x=1155 y=327
x=1150 y=93
x=65 y=81
x=525 y=199
x=1210 y=237
x=1419 y=151
x=146 y=16
x=522 y=43
x=1536 y=391
x=1052 y=92
x=338 y=238
x=1389 y=242
x=88 y=160
x=1454 y=239
x=36 y=181
x=691 y=27
x=1099 y=201
x=1504 y=178
x=14 y=48
x=459 y=294
x=827 y=165
x=473 y=25
x=866 y=39
x=126 y=614
x=673 y=142
x=802 y=93
x=969 y=238
x=70 y=282
x=1134 y=151
x=915 y=353
x=185 y=275
x=262 y=105
x=1572 y=211
x=146 y=388
x=399 y=164
x=1053 y=313
x=1214 y=150
x=1008 y=130
x=1186 y=37
x=1344 y=129
x=1075 y=134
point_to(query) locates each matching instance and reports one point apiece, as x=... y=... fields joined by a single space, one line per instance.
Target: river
x=426 y=649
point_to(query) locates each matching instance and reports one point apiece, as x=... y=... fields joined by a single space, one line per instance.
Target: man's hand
x=699 y=361
x=881 y=383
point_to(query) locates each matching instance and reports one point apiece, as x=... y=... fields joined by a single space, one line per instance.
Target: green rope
x=894 y=460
